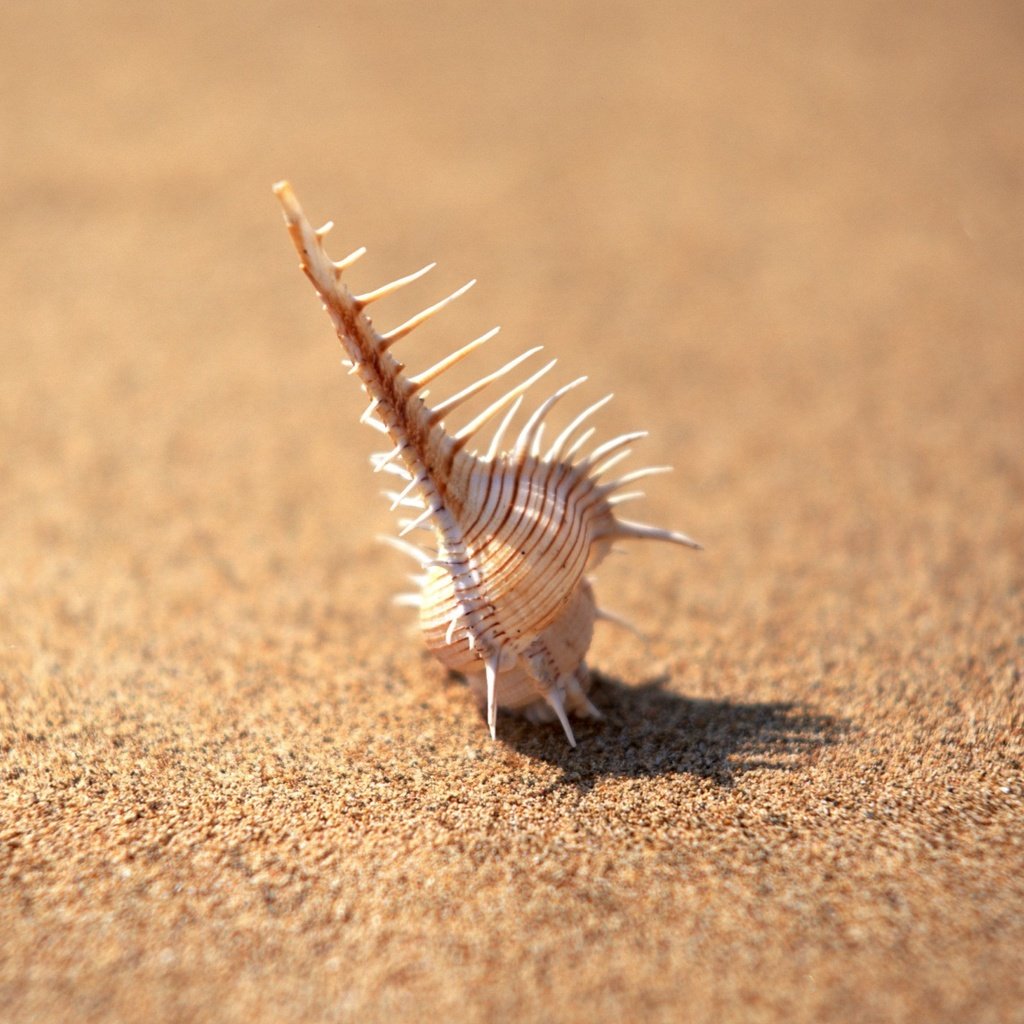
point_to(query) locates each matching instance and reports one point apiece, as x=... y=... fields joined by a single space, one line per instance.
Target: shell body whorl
x=503 y=594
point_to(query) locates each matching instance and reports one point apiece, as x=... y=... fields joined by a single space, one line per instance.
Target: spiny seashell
x=504 y=596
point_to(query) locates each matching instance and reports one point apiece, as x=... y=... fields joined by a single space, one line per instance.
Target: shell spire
x=504 y=594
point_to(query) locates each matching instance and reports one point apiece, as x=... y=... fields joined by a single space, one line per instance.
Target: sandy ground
x=790 y=238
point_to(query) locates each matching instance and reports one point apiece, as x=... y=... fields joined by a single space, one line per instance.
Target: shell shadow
x=648 y=731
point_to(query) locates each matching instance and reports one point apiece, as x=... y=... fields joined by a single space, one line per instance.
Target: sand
x=791 y=240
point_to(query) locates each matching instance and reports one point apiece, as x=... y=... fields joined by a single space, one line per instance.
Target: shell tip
x=555 y=700
x=492 y=703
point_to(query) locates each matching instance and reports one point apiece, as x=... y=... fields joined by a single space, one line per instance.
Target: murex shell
x=504 y=596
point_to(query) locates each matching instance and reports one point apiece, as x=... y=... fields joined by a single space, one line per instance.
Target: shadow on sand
x=648 y=731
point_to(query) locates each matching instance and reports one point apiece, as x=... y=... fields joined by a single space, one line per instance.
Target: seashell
x=503 y=592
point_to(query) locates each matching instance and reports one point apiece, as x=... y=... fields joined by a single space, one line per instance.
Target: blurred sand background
x=790 y=237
